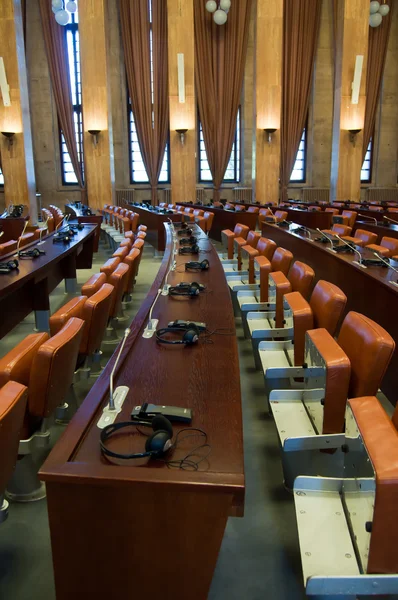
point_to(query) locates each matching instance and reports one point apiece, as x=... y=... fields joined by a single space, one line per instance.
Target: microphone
x=1 y=233
x=359 y=263
x=61 y=221
x=117 y=397
x=20 y=237
x=307 y=230
x=367 y=217
x=386 y=262
x=328 y=238
x=391 y=220
x=41 y=231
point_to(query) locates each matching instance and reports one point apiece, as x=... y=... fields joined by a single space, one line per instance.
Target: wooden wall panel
x=268 y=82
x=17 y=162
x=182 y=115
x=352 y=40
x=99 y=160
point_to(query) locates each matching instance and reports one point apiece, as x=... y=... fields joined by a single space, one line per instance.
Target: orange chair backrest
x=280 y=215
x=96 y=314
x=301 y=276
x=281 y=260
x=341 y=229
x=352 y=216
x=366 y=236
x=327 y=303
x=266 y=247
x=391 y=244
x=253 y=209
x=334 y=211
x=241 y=230
x=13 y=397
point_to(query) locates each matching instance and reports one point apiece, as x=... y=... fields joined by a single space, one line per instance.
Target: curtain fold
x=57 y=55
x=220 y=63
x=152 y=121
x=300 y=34
x=377 y=53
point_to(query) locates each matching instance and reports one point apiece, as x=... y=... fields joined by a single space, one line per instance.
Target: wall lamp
x=95 y=133
x=10 y=136
x=353 y=135
x=269 y=131
x=182 y=133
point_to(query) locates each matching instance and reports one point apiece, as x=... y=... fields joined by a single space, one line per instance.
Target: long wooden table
x=114 y=528
x=28 y=288
x=77 y=213
x=155 y=220
x=225 y=219
x=368 y=291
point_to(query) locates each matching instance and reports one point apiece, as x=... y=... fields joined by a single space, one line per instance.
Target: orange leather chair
x=388 y=247
x=8 y=247
x=142 y=228
x=229 y=206
x=312 y=207
x=334 y=211
x=375 y=208
x=351 y=215
x=253 y=209
x=121 y=253
x=206 y=222
x=13 y=397
x=361 y=238
x=240 y=208
x=198 y=213
x=94 y=311
x=139 y=244
x=252 y=240
x=341 y=230
x=46 y=366
x=132 y=260
x=26 y=238
x=110 y=266
x=93 y=284
x=126 y=243
x=118 y=279
x=280 y=215
x=265 y=249
x=228 y=236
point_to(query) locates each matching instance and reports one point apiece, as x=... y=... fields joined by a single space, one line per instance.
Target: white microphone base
x=355 y=262
x=165 y=290
x=150 y=332
x=108 y=416
x=393 y=283
x=331 y=250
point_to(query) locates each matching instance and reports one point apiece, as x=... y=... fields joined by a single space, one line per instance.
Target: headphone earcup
x=158 y=443
x=190 y=337
x=160 y=422
x=204 y=264
x=194 y=289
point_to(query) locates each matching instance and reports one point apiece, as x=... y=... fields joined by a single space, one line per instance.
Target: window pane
x=232 y=172
x=366 y=174
x=73 y=56
x=298 y=173
x=1 y=177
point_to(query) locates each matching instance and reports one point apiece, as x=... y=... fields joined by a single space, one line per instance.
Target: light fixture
x=353 y=134
x=95 y=133
x=269 y=131
x=219 y=9
x=182 y=133
x=62 y=10
x=10 y=137
x=377 y=11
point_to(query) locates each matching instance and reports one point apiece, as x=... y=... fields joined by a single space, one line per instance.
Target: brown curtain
x=220 y=63
x=152 y=129
x=55 y=42
x=300 y=35
x=377 y=52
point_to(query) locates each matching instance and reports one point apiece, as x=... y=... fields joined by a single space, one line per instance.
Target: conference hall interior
x=198 y=298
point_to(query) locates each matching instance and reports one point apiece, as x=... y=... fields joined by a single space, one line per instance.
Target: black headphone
x=35 y=253
x=197 y=266
x=189 y=338
x=184 y=231
x=7 y=267
x=190 y=240
x=63 y=237
x=156 y=444
x=186 y=289
x=194 y=249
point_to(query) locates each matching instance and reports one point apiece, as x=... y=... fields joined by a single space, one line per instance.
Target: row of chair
x=309 y=377
x=42 y=368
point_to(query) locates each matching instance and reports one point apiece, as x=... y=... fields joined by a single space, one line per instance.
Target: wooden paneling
x=182 y=115
x=17 y=161
x=268 y=82
x=352 y=40
x=98 y=160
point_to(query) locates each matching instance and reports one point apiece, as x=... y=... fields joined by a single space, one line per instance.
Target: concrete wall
x=46 y=135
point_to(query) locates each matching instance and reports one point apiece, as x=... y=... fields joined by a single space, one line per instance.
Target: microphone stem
x=349 y=245
x=389 y=265
x=367 y=217
x=327 y=237
x=111 y=399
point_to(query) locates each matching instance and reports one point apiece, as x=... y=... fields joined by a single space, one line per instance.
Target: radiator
x=124 y=197
x=165 y=195
x=200 y=195
x=243 y=194
x=316 y=195
x=374 y=194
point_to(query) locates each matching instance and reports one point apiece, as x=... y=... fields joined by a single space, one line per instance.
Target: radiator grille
x=382 y=194
x=166 y=195
x=242 y=194
x=124 y=197
x=316 y=195
x=200 y=195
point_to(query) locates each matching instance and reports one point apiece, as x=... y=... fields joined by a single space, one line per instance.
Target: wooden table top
x=38 y=267
x=204 y=377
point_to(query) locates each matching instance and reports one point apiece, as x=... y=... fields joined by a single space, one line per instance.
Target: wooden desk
x=225 y=219
x=390 y=230
x=103 y=514
x=368 y=290
x=77 y=213
x=28 y=288
x=310 y=218
x=155 y=220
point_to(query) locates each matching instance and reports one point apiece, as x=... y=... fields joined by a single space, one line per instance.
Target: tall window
x=72 y=40
x=366 y=171
x=298 y=173
x=1 y=178
x=232 y=173
x=138 y=172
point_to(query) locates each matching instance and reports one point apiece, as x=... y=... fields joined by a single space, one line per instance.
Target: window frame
x=236 y=150
x=1 y=179
x=73 y=27
x=305 y=159
x=369 y=179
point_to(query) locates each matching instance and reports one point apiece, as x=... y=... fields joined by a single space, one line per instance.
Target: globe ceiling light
x=57 y=5
x=225 y=5
x=375 y=19
x=211 y=6
x=220 y=17
x=374 y=7
x=62 y=17
x=384 y=10
x=71 y=6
